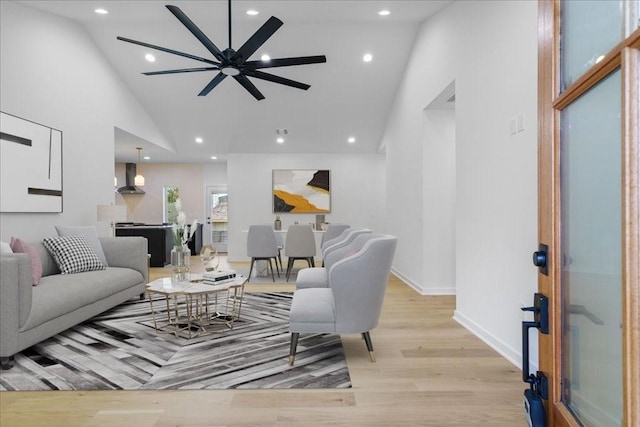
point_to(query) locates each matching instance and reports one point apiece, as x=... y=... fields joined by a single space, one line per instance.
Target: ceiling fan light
x=265 y=58
x=230 y=71
x=149 y=57
x=280 y=140
x=252 y=12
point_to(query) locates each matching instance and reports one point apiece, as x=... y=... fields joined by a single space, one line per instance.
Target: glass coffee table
x=191 y=308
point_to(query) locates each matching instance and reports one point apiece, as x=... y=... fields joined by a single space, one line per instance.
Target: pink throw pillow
x=20 y=246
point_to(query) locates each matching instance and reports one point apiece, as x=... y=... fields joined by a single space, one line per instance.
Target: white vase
x=180 y=264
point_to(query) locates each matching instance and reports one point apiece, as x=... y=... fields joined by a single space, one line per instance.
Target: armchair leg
x=367 y=340
x=6 y=362
x=292 y=348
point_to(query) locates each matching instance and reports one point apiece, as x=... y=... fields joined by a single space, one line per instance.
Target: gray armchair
x=261 y=245
x=353 y=301
x=316 y=277
x=334 y=229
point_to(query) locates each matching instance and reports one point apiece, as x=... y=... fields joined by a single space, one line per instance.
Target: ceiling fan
x=230 y=62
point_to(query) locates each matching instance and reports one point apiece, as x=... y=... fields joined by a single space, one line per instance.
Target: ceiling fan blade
x=285 y=62
x=276 y=79
x=196 y=32
x=164 y=49
x=244 y=81
x=213 y=83
x=256 y=40
x=182 y=70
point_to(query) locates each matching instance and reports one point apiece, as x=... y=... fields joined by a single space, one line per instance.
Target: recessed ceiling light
x=149 y=57
x=367 y=57
x=384 y=12
x=265 y=58
x=199 y=140
x=252 y=12
x=280 y=140
x=351 y=140
x=147 y=158
x=214 y=157
x=101 y=11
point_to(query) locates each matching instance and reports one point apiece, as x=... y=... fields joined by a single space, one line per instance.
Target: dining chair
x=261 y=245
x=334 y=229
x=353 y=301
x=317 y=277
x=299 y=245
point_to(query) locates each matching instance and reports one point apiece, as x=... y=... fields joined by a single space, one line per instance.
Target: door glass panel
x=169 y=213
x=218 y=205
x=589 y=30
x=591 y=282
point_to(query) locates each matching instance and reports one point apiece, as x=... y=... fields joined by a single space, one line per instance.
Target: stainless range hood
x=130 y=174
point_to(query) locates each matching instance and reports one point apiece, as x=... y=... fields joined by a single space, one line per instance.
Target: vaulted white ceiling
x=347 y=98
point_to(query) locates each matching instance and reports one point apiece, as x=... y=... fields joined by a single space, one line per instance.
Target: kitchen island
x=159 y=238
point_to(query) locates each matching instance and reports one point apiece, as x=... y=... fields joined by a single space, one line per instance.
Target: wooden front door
x=589 y=210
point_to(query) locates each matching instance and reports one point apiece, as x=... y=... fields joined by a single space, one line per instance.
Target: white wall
x=52 y=73
x=490 y=49
x=215 y=173
x=357 y=191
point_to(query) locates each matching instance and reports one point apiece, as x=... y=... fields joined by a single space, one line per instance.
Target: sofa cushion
x=60 y=294
x=20 y=246
x=49 y=265
x=89 y=233
x=73 y=254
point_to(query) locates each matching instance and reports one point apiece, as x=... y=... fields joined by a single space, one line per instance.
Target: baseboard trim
x=423 y=290
x=513 y=356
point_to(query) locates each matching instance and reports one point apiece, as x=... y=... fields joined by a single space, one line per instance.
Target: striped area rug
x=120 y=350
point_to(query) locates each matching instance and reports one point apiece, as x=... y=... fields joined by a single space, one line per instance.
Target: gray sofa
x=30 y=314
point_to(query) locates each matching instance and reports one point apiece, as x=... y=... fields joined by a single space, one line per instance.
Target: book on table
x=218 y=277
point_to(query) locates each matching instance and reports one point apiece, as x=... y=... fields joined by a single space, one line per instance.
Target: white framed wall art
x=31 y=165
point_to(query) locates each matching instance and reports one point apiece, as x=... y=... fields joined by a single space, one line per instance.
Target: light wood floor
x=430 y=371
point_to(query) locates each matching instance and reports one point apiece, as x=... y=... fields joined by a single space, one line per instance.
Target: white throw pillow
x=89 y=233
x=73 y=254
x=5 y=248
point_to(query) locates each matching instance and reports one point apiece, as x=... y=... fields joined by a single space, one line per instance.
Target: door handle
x=541 y=259
x=538 y=385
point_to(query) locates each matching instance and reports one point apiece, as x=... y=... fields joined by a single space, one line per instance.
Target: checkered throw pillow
x=73 y=254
